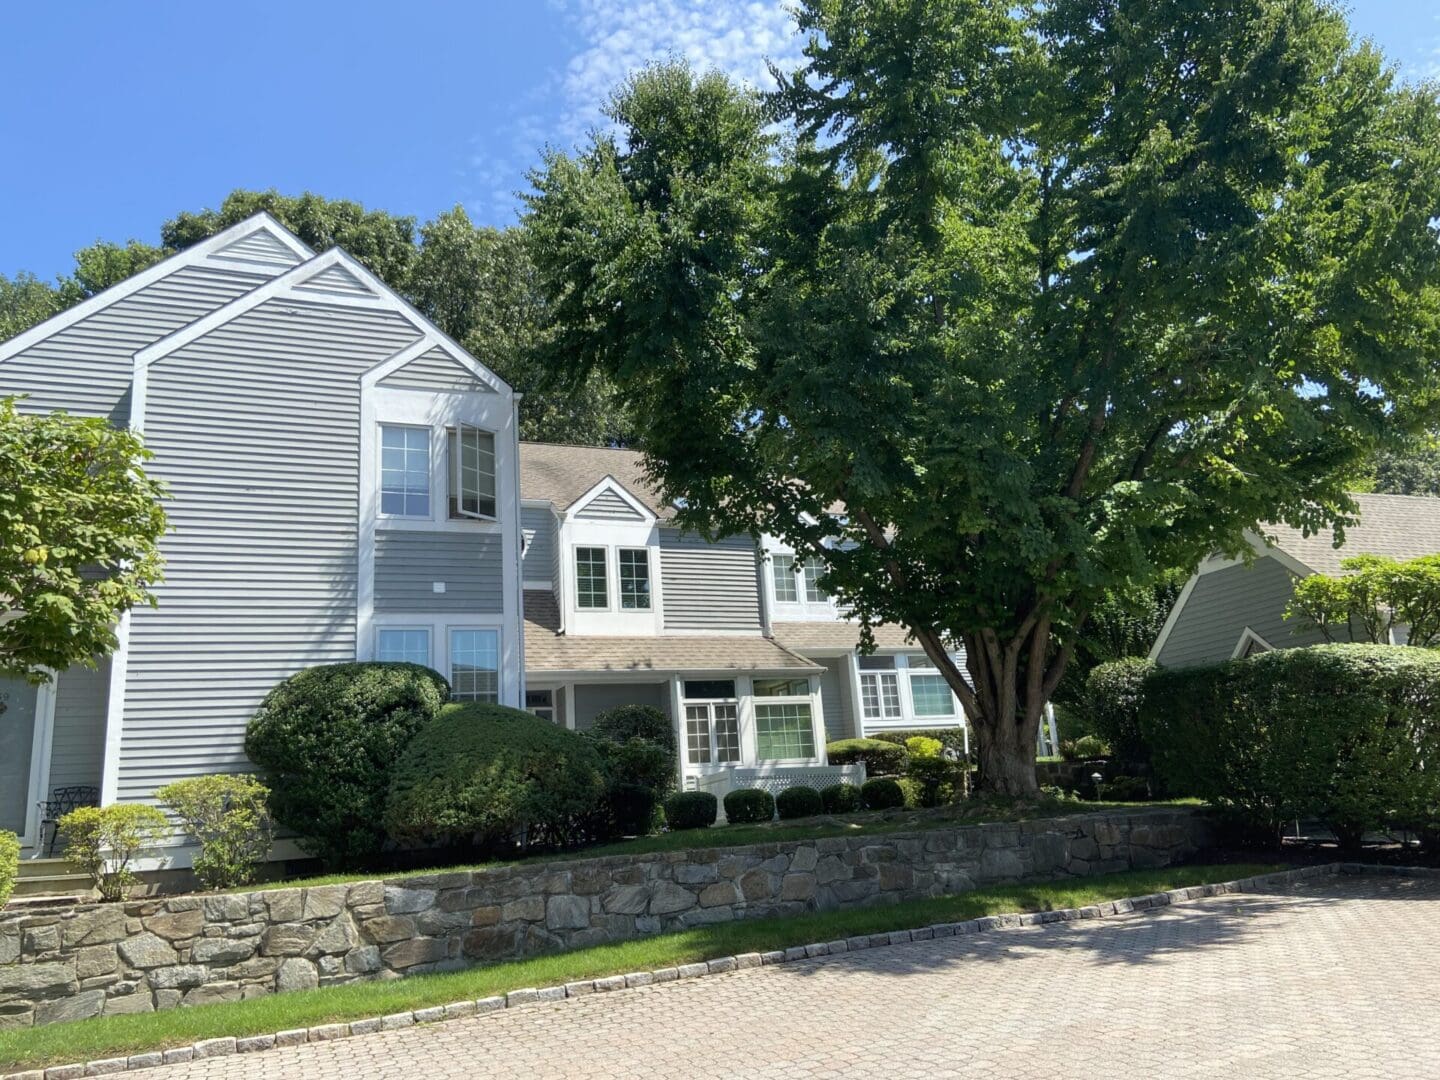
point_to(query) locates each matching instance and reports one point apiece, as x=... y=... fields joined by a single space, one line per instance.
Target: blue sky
x=121 y=114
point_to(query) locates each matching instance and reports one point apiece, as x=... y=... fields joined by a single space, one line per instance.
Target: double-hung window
x=406 y=645
x=591 y=593
x=634 y=579
x=472 y=472
x=783 y=567
x=404 y=471
x=813 y=568
x=880 y=695
x=475 y=665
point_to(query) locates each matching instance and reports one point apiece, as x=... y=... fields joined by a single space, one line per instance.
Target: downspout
x=519 y=628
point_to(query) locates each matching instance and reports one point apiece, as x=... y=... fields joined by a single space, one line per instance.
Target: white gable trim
x=434 y=339
x=191 y=256
x=609 y=483
x=1173 y=617
x=1249 y=637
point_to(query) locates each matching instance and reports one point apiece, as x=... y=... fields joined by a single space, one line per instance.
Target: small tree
x=229 y=818
x=104 y=841
x=1373 y=596
x=80 y=525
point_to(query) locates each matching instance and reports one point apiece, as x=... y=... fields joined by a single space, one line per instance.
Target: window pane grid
x=403 y=647
x=590 y=589
x=634 y=579
x=697 y=734
x=472 y=472
x=880 y=696
x=727 y=734
x=475 y=665
x=814 y=567
x=784 y=732
x=784 y=569
x=405 y=471
x=931 y=695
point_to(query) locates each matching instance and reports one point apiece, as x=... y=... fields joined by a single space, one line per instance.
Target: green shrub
x=950 y=738
x=634 y=809
x=639 y=774
x=934 y=777
x=745 y=806
x=228 y=817
x=691 y=810
x=9 y=864
x=497 y=776
x=911 y=792
x=626 y=722
x=1085 y=748
x=798 y=802
x=882 y=793
x=841 y=798
x=1112 y=698
x=327 y=740
x=104 y=841
x=879 y=756
x=1125 y=789
x=923 y=746
x=1348 y=734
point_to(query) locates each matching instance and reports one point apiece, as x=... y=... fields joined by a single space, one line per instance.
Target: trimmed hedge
x=1112 y=697
x=691 y=810
x=1348 y=734
x=626 y=722
x=882 y=793
x=327 y=740
x=879 y=756
x=841 y=798
x=497 y=776
x=950 y=738
x=639 y=774
x=746 y=806
x=798 y=802
x=9 y=864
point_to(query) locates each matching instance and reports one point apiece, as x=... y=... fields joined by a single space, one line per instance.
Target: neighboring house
x=623 y=607
x=1229 y=610
x=343 y=485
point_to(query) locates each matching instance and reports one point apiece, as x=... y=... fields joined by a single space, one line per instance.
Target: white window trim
x=461 y=514
x=649 y=582
x=1249 y=637
x=410 y=628
x=817 y=727
x=876 y=675
x=449 y=672
x=604 y=549
x=801 y=609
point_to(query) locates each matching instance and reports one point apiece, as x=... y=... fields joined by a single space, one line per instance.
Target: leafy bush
x=626 y=722
x=745 y=806
x=228 y=817
x=841 y=798
x=691 y=810
x=327 y=740
x=497 y=776
x=639 y=774
x=950 y=738
x=1125 y=789
x=911 y=792
x=880 y=757
x=104 y=841
x=797 y=802
x=1112 y=698
x=1085 y=748
x=9 y=864
x=1348 y=734
x=882 y=793
x=923 y=746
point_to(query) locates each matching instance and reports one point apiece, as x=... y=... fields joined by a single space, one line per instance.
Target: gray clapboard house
x=343 y=485
x=1229 y=609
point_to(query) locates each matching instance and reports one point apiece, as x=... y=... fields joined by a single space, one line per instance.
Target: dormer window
x=634 y=579
x=591 y=593
x=814 y=567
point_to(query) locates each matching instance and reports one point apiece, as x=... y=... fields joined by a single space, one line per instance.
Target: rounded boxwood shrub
x=1111 y=704
x=795 y=802
x=495 y=776
x=327 y=740
x=691 y=810
x=882 y=793
x=840 y=798
x=879 y=757
x=745 y=806
x=626 y=722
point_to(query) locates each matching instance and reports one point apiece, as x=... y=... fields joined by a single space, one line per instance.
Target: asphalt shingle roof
x=1400 y=526
x=830 y=636
x=561 y=474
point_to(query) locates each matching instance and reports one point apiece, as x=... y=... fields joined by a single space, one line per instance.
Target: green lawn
x=739 y=835
x=87 y=1040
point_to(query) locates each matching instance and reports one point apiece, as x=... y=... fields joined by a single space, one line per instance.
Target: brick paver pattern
x=1335 y=978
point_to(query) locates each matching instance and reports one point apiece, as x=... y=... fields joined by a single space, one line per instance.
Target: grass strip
x=114 y=1036
x=723 y=836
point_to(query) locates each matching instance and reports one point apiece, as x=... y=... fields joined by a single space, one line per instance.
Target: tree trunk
x=1005 y=753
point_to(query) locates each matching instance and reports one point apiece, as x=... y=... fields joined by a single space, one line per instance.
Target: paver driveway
x=1335 y=978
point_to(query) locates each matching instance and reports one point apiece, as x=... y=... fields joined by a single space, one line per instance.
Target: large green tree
x=80 y=526
x=1006 y=308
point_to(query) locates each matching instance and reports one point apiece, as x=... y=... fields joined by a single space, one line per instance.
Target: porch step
x=49 y=878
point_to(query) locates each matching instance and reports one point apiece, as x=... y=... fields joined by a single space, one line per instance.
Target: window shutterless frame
x=471 y=472
x=592 y=586
x=403 y=644
x=404 y=471
x=474 y=656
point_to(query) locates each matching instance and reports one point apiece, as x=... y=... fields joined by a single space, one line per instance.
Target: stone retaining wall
x=102 y=959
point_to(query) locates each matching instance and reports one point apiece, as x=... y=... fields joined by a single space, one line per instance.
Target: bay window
x=784 y=731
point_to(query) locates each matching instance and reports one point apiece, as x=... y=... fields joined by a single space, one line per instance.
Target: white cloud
x=616 y=38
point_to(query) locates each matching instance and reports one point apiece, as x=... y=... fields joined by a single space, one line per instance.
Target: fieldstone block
x=365 y=892
x=148 y=950
x=221 y=951
x=42 y=939
x=95 y=960
x=415 y=951
x=489 y=943
x=338 y=937
x=567 y=912
x=324 y=901
x=757 y=884
x=212 y=993
x=80 y=1006
x=363 y=960
x=296 y=974
x=402 y=901
x=97 y=926
x=287 y=940
x=695 y=873
x=226 y=908
x=128 y=1004
x=721 y=893
x=804 y=859
x=284 y=905
x=667 y=899
x=177 y=925
x=797 y=886
x=896 y=876
x=626 y=900
x=388 y=928
x=525 y=909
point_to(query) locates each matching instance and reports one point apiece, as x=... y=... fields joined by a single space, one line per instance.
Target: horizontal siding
x=833 y=679
x=538 y=559
x=708 y=586
x=87 y=368
x=591 y=699
x=1223 y=603
x=608 y=506
x=436 y=370
x=336 y=279
x=409 y=562
x=77 y=746
x=260 y=246
x=256 y=428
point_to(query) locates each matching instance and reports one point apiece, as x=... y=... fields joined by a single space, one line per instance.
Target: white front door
x=22 y=752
